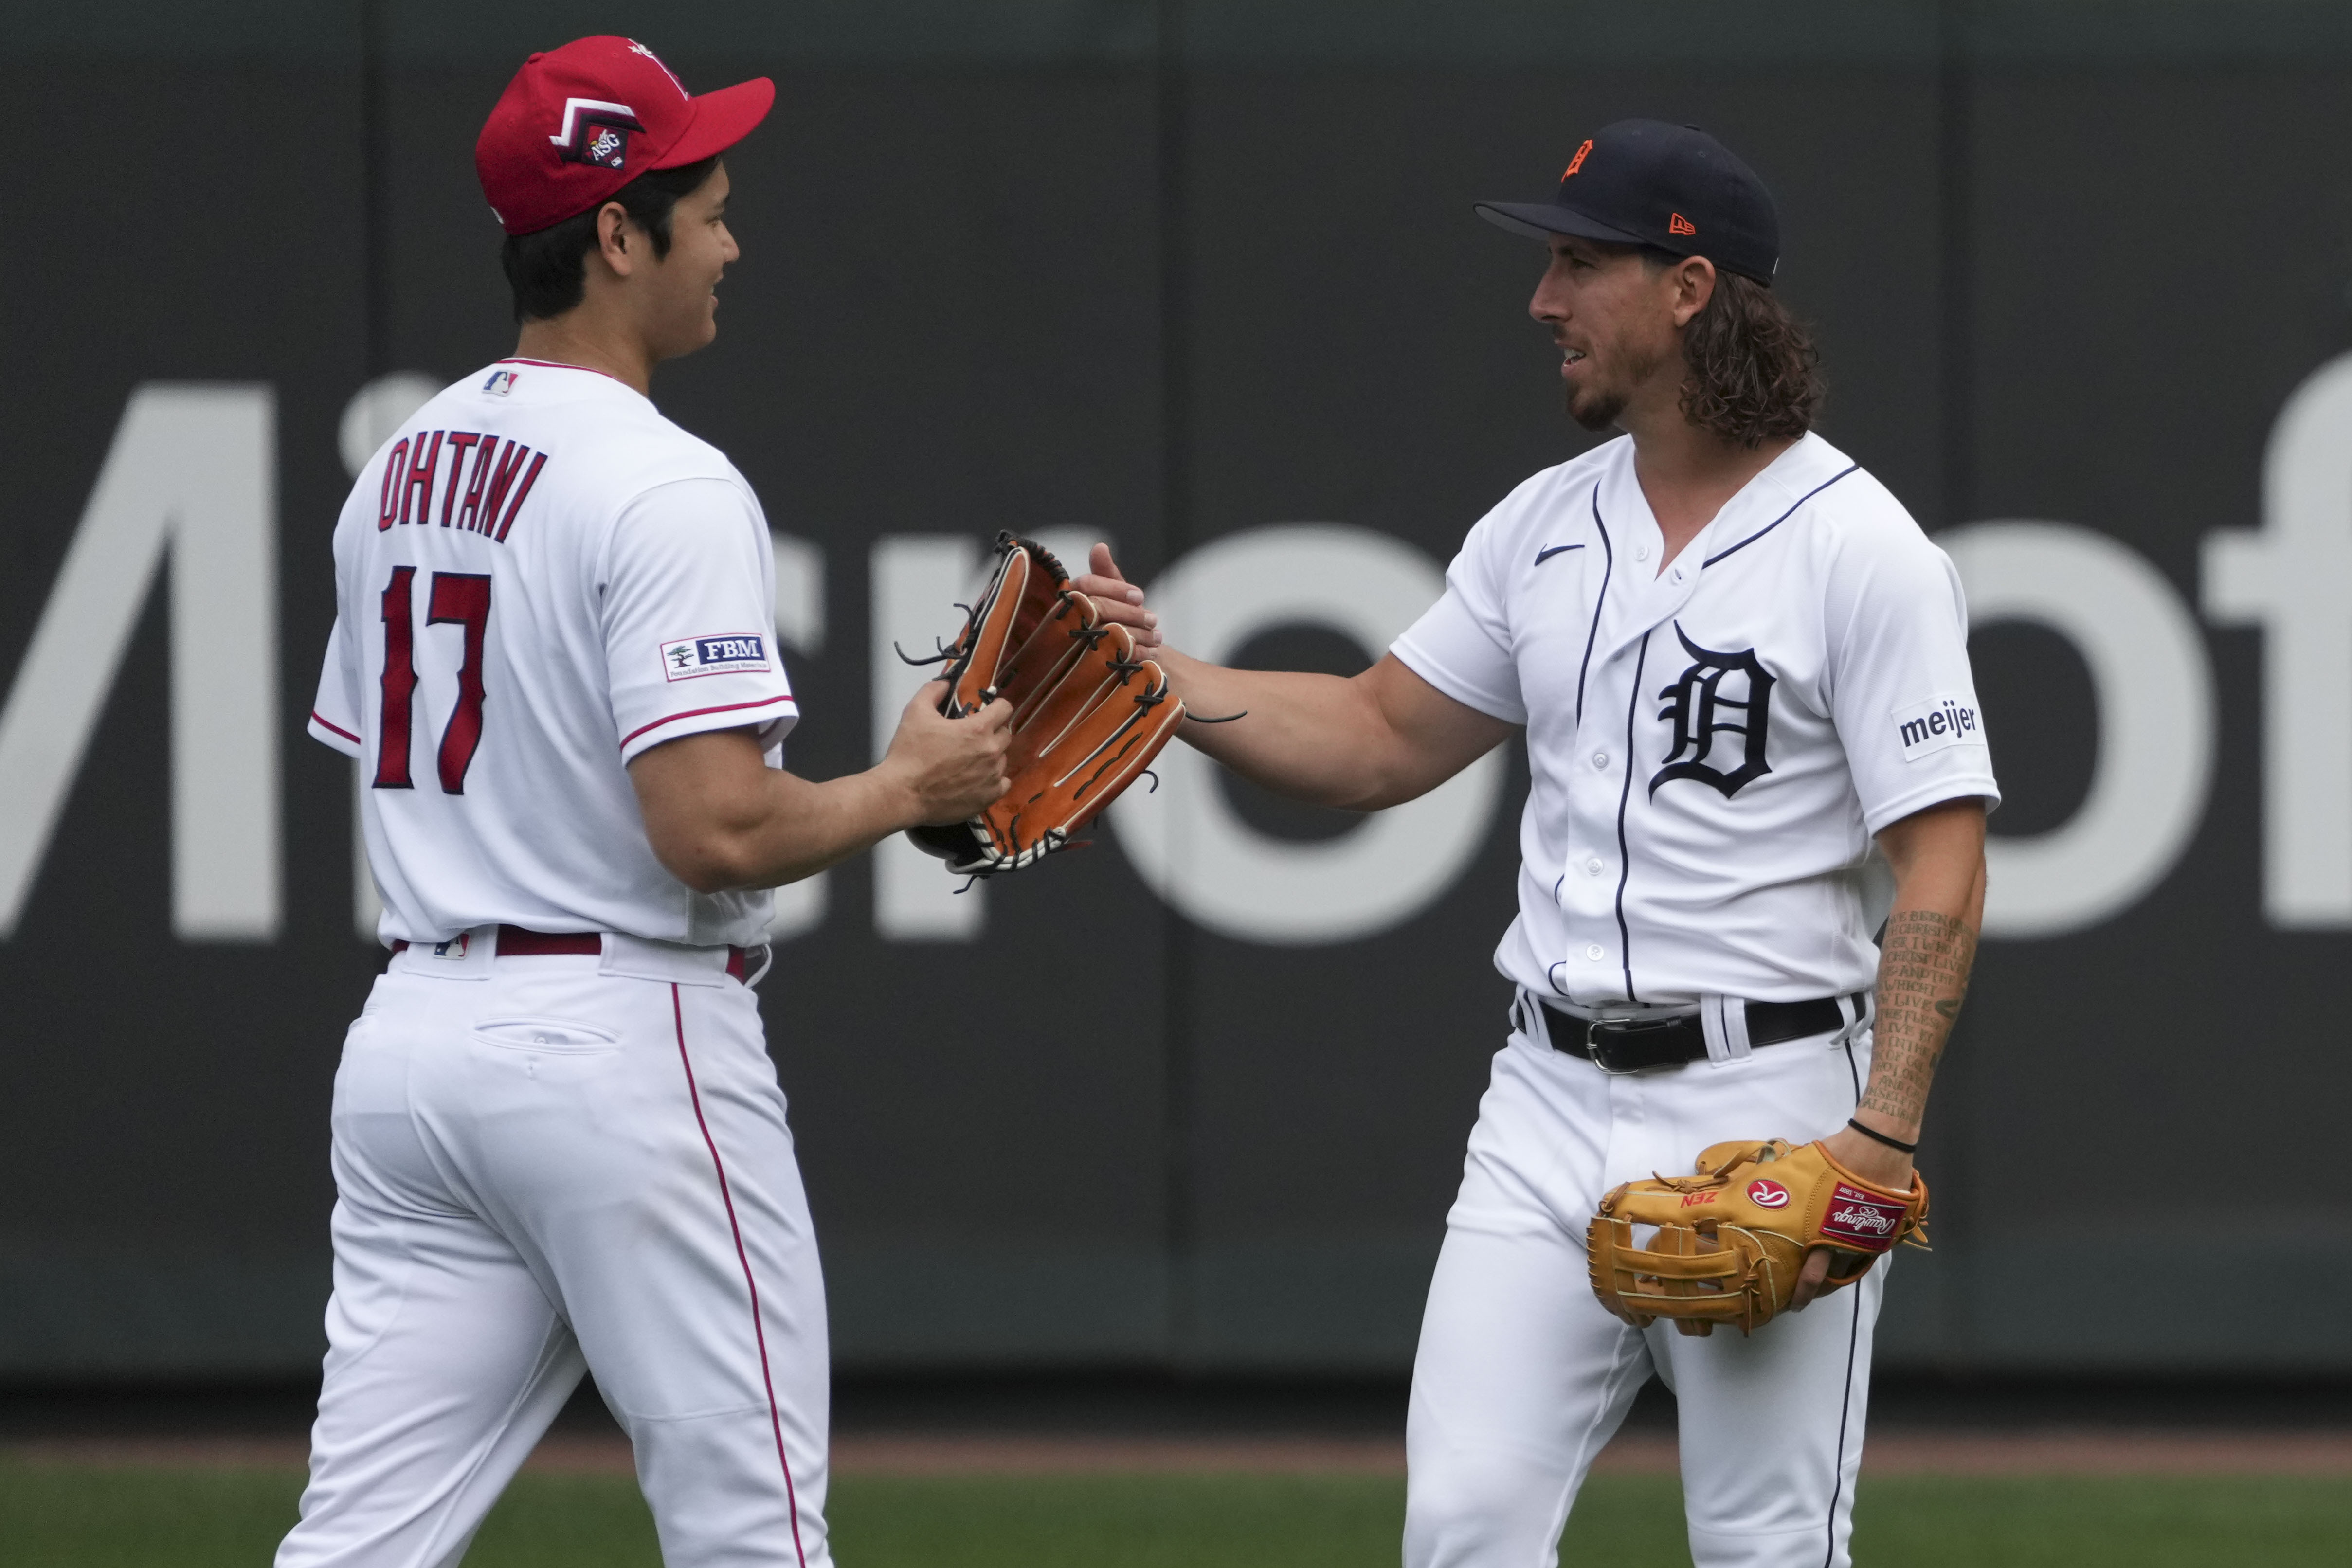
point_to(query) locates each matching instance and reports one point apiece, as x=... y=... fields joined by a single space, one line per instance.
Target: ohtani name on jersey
x=1936 y=724
x=480 y=481
x=689 y=658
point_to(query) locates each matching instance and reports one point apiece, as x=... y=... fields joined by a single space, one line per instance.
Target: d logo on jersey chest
x=1721 y=708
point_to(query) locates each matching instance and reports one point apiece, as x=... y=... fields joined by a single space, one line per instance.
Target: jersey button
x=1593 y=865
x=1593 y=952
x=1600 y=759
x=1640 y=552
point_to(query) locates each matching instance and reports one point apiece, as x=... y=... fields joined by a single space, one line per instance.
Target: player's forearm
x=785 y=827
x=1304 y=735
x=1923 y=964
x=719 y=819
x=1361 y=743
x=826 y=822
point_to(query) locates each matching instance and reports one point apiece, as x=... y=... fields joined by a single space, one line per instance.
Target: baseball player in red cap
x=559 y=1143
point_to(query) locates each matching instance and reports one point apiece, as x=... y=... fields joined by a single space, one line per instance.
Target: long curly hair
x=1755 y=375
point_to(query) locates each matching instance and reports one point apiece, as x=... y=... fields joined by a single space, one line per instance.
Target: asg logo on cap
x=595 y=131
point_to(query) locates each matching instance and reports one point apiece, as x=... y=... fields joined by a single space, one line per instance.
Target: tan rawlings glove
x=1088 y=713
x=1730 y=1238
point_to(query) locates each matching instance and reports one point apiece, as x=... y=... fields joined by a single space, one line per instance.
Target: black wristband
x=1875 y=1137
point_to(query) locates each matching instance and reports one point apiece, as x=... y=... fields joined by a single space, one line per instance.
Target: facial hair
x=1597 y=411
x=1602 y=405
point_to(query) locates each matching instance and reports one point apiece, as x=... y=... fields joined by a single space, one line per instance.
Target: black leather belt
x=1632 y=1045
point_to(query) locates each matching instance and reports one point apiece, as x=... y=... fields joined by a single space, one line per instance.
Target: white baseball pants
x=1523 y=1376
x=550 y=1164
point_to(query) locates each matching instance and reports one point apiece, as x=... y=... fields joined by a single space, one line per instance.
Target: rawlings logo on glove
x=1088 y=715
x=1859 y=1218
x=1735 y=1259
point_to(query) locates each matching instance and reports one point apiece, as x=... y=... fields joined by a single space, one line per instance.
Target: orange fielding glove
x=1088 y=715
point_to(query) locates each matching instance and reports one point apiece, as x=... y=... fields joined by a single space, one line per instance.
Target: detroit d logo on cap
x=595 y=131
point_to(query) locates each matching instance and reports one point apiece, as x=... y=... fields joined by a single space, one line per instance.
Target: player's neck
x=1688 y=474
x=589 y=338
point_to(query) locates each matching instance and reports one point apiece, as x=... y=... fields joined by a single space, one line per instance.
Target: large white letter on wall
x=2154 y=691
x=916 y=582
x=800 y=627
x=192 y=465
x=2294 y=579
x=1186 y=839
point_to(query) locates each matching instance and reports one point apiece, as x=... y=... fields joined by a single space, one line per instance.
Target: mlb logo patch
x=500 y=383
x=690 y=658
x=1940 y=723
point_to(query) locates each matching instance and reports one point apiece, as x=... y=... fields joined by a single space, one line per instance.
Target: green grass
x=75 y=1517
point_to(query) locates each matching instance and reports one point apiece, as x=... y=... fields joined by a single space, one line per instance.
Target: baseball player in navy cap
x=1742 y=675
x=559 y=1142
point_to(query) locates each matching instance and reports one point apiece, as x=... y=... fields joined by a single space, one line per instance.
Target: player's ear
x=1694 y=286
x=612 y=238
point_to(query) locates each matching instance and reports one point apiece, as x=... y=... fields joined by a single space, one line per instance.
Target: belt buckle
x=1620 y=1029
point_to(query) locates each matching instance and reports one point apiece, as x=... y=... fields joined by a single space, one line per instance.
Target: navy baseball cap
x=1666 y=187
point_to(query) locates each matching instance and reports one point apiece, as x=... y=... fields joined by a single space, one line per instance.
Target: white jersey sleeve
x=1462 y=643
x=687 y=596
x=1900 y=690
x=335 y=711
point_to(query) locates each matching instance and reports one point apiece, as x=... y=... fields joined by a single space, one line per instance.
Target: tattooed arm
x=1923 y=972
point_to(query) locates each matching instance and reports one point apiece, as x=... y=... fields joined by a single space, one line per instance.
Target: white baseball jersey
x=1713 y=746
x=539 y=580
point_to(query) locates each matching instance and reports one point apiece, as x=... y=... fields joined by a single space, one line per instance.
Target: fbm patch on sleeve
x=744 y=653
x=1939 y=721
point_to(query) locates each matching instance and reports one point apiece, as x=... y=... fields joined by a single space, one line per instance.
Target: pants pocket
x=545 y=1034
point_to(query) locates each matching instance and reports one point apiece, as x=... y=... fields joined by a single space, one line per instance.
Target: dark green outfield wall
x=1180 y=274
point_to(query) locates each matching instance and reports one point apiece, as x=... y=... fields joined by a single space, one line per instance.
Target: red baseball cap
x=579 y=122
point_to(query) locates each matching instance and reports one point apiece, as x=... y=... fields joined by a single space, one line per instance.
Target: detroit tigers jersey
x=539 y=580
x=1711 y=746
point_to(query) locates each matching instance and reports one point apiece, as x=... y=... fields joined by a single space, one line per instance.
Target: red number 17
x=459 y=597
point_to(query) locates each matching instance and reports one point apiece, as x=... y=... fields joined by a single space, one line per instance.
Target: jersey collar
x=1639 y=597
x=563 y=365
